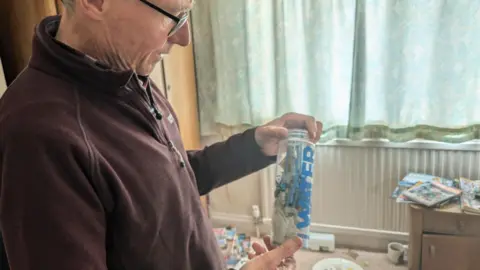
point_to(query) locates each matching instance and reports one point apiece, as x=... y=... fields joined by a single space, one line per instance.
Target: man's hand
x=269 y=135
x=273 y=258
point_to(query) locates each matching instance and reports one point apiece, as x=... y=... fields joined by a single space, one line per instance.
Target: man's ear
x=92 y=8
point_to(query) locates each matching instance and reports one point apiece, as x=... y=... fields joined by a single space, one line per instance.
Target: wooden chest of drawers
x=443 y=239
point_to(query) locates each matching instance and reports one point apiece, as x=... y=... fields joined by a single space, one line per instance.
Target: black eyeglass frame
x=179 y=21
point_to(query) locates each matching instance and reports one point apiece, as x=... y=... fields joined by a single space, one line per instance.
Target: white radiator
x=353 y=185
x=352 y=189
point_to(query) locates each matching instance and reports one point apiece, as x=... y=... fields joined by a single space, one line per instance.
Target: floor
x=367 y=260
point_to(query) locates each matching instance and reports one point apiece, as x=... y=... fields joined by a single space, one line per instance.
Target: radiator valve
x=256 y=215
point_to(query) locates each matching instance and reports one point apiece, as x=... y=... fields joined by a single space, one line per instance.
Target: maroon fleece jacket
x=93 y=173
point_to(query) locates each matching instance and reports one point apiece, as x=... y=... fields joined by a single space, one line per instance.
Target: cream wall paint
x=237 y=197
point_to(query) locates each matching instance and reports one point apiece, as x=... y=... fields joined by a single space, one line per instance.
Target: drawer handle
x=432 y=250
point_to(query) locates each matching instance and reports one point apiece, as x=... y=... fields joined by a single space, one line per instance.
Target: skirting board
x=349 y=237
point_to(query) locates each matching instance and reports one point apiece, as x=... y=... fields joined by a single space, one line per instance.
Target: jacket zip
x=147 y=100
x=144 y=104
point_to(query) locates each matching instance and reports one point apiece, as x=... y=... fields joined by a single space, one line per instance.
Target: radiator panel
x=353 y=184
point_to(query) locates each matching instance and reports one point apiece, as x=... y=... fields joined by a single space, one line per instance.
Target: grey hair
x=69 y=5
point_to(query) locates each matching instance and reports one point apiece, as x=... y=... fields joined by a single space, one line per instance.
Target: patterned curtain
x=383 y=69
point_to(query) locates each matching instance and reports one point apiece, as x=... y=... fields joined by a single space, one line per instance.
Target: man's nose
x=182 y=36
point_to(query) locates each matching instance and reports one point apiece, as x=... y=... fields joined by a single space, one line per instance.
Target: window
x=398 y=70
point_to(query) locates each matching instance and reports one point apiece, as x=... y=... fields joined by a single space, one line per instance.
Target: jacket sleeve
x=224 y=162
x=50 y=215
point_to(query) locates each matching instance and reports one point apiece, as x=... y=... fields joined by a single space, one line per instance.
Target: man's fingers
x=259 y=249
x=290 y=263
x=311 y=125
x=288 y=248
x=268 y=242
x=274 y=257
x=319 y=131
x=295 y=120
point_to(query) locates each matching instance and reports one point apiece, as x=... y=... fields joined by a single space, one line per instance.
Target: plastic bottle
x=294 y=180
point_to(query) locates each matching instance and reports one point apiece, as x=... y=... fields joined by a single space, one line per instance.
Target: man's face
x=139 y=34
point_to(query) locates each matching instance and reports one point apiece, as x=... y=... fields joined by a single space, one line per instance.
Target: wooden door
x=444 y=252
x=181 y=90
x=3 y=83
x=17 y=21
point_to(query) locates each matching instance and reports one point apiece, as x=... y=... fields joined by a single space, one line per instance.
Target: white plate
x=336 y=264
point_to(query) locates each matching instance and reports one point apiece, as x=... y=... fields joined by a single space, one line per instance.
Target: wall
x=237 y=197
x=352 y=189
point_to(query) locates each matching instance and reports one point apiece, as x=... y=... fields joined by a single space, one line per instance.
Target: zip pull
x=153 y=107
x=158 y=115
x=180 y=157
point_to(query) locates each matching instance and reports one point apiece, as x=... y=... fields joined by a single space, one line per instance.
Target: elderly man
x=93 y=172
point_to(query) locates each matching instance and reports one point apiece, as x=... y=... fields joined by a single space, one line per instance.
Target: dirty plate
x=336 y=264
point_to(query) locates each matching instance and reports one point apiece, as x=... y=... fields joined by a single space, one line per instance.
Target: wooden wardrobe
x=176 y=74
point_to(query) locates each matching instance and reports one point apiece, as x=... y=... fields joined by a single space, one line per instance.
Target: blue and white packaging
x=293 y=191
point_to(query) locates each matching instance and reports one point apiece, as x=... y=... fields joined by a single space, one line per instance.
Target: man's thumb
x=287 y=249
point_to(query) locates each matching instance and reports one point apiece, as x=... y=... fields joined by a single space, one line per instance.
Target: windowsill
x=415 y=144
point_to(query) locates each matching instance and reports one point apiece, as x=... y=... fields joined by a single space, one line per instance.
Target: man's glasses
x=179 y=21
